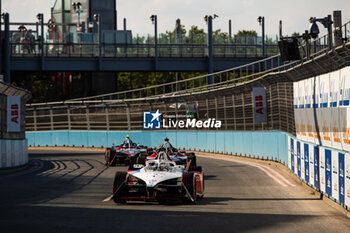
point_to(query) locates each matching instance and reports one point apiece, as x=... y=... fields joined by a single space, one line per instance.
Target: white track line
x=278 y=178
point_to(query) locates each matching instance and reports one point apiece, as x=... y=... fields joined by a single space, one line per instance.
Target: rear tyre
x=117 y=189
x=193 y=160
x=189 y=181
x=112 y=161
x=109 y=155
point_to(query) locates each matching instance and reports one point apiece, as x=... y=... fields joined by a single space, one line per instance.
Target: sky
x=294 y=14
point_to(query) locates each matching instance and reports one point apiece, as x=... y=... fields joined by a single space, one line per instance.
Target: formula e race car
x=128 y=153
x=159 y=180
x=179 y=157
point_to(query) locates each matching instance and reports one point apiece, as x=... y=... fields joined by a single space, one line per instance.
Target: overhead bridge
x=136 y=64
x=133 y=57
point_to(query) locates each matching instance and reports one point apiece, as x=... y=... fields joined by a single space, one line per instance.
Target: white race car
x=159 y=180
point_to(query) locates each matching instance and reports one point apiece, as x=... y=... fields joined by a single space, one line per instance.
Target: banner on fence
x=13 y=114
x=259 y=101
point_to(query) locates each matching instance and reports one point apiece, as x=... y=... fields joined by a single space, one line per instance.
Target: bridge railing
x=57 y=49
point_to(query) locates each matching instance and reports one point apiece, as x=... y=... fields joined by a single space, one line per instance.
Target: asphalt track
x=63 y=191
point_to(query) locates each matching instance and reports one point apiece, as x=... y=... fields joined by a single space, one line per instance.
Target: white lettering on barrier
x=311 y=165
x=289 y=152
x=322 y=170
x=302 y=160
x=295 y=157
x=335 y=175
x=347 y=179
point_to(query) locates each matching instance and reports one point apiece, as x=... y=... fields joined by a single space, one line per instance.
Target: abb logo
x=14 y=113
x=259 y=104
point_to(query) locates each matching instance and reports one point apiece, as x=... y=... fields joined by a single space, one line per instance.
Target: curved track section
x=63 y=191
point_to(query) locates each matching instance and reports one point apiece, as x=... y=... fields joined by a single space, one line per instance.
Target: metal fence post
x=234 y=112
x=271 y=108
x=279 y=107
x=243 y=112
x=34 y=119
x=107 y=117
x=225 y=119
x=216 y=107
x=68 y=118
x=286 y=101
x=253 y=109
x=87 y=113
x=128 y=116
x=51 y=119
x=207 y=105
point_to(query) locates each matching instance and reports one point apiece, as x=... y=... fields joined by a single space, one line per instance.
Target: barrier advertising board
x=322 y=109
x=259 y=101
x=13 y=114
x=325 y=169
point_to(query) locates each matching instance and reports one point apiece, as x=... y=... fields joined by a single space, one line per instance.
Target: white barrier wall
x=324 y=99
x=317 y=163
x=13 y=153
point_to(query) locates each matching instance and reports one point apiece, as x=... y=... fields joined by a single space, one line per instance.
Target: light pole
x=154 y=21
x=97 y=18
x=280 y=30
x=40 y=17
x=209 y=20
x=78 y=8
x=7 y=64
x=261 y=20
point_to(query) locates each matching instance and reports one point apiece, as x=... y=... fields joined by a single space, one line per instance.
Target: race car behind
x=179 y=157
x=126 y=153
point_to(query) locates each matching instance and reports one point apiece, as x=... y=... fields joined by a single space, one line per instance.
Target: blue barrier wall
x=266 y=144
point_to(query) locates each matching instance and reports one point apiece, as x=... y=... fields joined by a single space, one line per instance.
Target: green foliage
x=40 y=89
x=251 y=33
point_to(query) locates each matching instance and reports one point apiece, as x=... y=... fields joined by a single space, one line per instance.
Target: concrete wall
x=13 y=153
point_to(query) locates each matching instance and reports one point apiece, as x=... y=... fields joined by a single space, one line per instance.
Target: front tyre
x=117 y=189
x=189 y=181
